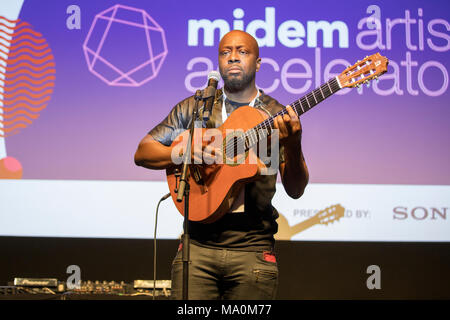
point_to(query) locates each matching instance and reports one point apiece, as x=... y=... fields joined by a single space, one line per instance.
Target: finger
x=209 y=152
x=214 y=153
x=218 y=153
x=295 y=120
x=295 y=124
x=275 y=123
x=287 y=123
x=208 y=159
x=291 y=112
x=282 y=127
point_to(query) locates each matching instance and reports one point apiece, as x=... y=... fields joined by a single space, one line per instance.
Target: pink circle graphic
x=12 y=164
x=10 y=168
x=125 y=46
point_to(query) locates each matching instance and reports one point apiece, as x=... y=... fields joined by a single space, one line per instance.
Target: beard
x=236 y=83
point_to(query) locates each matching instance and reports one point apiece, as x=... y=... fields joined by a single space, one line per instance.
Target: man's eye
x=243 y=52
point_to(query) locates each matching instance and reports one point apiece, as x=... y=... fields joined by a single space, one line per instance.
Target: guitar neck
x=300 y=106
x=310 y=100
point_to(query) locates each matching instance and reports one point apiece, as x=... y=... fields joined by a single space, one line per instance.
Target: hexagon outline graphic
x=125 y=77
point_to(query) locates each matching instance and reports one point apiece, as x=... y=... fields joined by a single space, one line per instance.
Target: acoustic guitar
x=213 y=188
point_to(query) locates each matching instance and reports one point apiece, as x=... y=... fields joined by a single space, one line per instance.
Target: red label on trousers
x=270 y=257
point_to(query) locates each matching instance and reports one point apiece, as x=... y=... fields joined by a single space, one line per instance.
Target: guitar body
x=211 y=198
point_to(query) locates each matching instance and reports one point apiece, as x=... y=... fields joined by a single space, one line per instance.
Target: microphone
x=210 y=93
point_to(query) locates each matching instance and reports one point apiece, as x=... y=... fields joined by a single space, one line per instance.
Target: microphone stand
x=183 y=192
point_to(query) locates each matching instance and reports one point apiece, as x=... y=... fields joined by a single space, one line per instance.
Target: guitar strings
x=252 y=136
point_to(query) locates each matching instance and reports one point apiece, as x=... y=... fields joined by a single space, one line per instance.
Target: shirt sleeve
x=175 y=123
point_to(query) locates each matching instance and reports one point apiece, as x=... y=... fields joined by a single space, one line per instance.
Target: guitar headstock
x=363 y=71
x=331 y=214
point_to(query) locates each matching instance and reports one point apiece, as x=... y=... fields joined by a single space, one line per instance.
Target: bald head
x=240 y=38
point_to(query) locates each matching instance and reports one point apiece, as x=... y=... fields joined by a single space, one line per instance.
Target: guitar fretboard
x=302 y=105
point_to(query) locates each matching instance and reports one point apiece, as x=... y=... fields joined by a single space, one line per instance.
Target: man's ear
x=258 y=64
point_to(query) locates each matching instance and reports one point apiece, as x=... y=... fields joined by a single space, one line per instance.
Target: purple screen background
x=90 y=131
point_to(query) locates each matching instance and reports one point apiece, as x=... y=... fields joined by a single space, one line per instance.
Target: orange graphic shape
x=27 y=83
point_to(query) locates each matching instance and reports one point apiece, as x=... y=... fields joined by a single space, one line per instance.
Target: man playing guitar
x=233 y=257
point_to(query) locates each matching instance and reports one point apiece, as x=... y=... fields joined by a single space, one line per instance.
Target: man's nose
x=233 y=58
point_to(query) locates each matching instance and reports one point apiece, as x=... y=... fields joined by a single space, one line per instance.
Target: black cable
x=154 y=244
